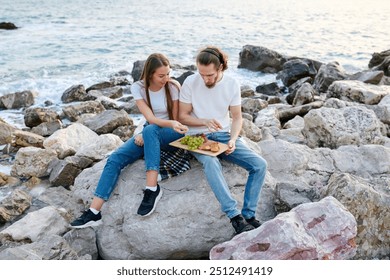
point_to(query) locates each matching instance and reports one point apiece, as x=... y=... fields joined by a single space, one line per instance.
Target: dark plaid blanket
x=174 y=163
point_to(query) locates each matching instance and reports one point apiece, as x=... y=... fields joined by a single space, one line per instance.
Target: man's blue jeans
x=155 y=139
x=244 y=157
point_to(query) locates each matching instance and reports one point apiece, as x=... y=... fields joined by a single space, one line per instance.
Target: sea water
x=61 y=43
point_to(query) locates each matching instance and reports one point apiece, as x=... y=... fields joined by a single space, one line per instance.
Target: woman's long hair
x=153 y=62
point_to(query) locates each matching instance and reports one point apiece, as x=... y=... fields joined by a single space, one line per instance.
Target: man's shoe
x=149 y=201
x=87 y=219
x=240 y=225
x=252 y=221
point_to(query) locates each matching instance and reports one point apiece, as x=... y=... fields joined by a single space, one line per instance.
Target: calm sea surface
x=61 y=43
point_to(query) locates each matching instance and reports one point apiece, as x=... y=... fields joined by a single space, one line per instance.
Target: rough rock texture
x=40 y=223
x=370 y=205
x=358 y=91
x=328 y=127
x=311 y=231
x=52 y=247
x=261 y=59
x=32 y=162
x=66 y=142
x=186 y=223
x=14 y=205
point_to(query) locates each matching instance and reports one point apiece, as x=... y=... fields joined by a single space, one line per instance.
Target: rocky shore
x=324 y=133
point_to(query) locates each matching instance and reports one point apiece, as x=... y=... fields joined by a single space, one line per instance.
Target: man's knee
x=260 y=165
x=211 y=162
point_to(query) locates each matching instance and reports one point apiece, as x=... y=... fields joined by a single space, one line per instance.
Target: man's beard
x=212 y=84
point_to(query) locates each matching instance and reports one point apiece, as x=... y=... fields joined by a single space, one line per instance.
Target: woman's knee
x=150 y=129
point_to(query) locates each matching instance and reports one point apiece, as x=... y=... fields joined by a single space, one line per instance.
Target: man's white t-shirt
x=210 y=103
x=157 y=98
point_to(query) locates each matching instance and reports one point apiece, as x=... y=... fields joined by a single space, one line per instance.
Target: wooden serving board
x=222 y=148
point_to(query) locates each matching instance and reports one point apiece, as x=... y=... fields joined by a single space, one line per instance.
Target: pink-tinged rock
x=310 y=231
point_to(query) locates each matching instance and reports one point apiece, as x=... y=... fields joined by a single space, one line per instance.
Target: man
x=206 y=99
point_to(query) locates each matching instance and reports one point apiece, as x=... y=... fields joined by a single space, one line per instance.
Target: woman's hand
x=139 y=140
x=178 y=127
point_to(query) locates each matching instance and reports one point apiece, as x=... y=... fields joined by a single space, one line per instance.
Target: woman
x=156 y=97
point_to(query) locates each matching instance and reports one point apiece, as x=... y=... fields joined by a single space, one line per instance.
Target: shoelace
x=147 y=195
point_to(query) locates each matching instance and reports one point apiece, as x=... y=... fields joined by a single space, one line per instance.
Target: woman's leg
x=126 y=154
x=156 y=139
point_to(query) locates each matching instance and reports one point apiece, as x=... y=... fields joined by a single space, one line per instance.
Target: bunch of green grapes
x=193 y=142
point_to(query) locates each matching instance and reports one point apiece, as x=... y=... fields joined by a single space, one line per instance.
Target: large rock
x=370 y=205
x=32 y=162
x=112 y=92
x=63 y=172
x=74 y=112
x=40 y=223
x=329 y=127
x=8 y=26
x=66 y=142
x=14 y=205
x=378 y=58
x=358 y=92
x=311 y=231
x=186 y=223
x=83 y=242
x=76 y=93
x=327 y=74
x=257 y=58
x=6 y=131
x=22 y=138
x=303 y=165
x=51 y=247
x=296 y=69
x=18 y=99
x=136 y=72
x=108 y=121
x=99 y=149
x=35 y=116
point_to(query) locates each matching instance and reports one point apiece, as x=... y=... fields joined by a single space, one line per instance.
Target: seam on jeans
x=152 y=168
x=100 y=196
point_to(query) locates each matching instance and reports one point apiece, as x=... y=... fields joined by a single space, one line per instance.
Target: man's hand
x=231 y=147
x=178 y=127
x=213 y=125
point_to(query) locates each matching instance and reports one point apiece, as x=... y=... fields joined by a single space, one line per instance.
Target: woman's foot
x=149 y=201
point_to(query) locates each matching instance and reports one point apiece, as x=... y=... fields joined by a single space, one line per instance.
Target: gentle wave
x=74 y=42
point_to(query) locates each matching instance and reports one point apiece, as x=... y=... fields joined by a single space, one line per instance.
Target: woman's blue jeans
x=244 y=157
x=155 y=139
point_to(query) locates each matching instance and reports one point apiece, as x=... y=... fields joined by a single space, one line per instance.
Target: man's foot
x=149 y=201
x=87 y=219
x=252 y=221
x=240 y=225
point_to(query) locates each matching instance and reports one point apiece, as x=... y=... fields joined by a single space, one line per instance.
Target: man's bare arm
x=186 y=118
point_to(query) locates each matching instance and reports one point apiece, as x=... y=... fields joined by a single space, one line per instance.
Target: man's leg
x=213 y=172
x=257 y=167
